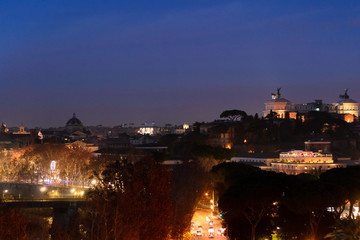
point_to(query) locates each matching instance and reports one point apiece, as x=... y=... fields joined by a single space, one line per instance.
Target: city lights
x=254 y=133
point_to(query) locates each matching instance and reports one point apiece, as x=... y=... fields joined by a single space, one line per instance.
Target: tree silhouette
x=12 y=224
x=252 y=199
x=189 y=183
x=233 y=115
x=132 y=201
x=346 y=229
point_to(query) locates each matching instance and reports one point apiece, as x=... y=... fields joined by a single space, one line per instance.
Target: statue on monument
x=277 y=95
x=345 y=96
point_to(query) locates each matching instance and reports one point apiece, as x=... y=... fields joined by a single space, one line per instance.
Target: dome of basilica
x=73 y=121
x=74 y=124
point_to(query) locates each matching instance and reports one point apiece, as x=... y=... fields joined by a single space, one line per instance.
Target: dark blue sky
x=174 y=61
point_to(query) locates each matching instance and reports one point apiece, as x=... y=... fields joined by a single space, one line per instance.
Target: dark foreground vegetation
x=267 y=205
x=146 y=201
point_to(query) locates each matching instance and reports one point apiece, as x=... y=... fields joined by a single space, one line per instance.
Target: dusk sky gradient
x=177 y=61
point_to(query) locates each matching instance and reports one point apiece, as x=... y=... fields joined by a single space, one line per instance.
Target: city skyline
x=171 y=62
x=158 y=124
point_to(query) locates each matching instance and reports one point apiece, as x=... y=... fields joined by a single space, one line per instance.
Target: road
x=199 y=219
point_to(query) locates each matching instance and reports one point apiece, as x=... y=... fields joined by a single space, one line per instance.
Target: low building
x=299 y=156
x=121 y=142
x=298 y=161
x=261 y=160
x=219 y=133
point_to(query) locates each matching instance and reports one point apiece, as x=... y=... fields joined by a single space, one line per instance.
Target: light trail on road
x=199 y=219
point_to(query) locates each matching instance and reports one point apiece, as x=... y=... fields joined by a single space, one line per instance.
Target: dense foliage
x=12 y=224
x=257 y=204
x=32 y=164
x=132 y=201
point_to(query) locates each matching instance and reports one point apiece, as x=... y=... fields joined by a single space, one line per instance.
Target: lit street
x=201 y=218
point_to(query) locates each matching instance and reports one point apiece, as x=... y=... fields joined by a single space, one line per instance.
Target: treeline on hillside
x=259 y=204
x=268 y=134
x=194 y=147
x=271 y=129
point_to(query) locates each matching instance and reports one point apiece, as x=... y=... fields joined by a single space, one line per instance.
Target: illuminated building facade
x=347 y=107
x=299 y=156
x=280 y=106
x=147 y=130
x=21 y=131
x=298 y=161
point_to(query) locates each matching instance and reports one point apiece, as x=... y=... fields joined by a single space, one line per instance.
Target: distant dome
x=74 y=124
x=73 y=121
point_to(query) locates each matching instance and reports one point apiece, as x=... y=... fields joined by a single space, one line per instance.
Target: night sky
x=170 y=61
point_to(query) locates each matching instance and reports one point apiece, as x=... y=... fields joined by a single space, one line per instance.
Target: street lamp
x=73 y=192
x=4 y=192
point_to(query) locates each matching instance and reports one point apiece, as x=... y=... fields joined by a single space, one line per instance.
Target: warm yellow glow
x=245 y=141
x=43 y=189
x=146 y=130
x=206 y=194
x=72 y=190
x=82 y=193
x=93 y=182
x=5 y=191
x=228 y=146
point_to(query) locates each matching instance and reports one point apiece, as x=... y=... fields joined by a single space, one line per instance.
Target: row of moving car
x=211 y=231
